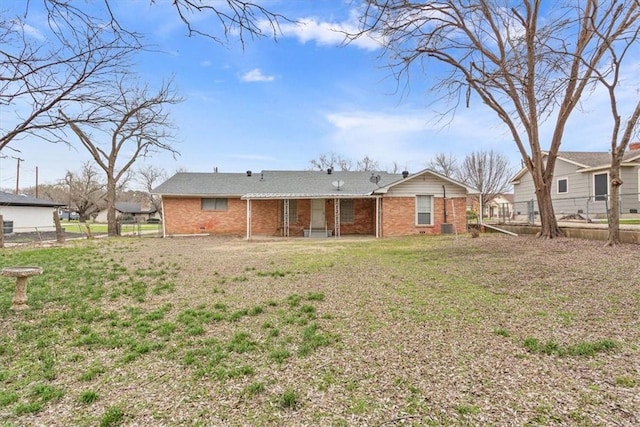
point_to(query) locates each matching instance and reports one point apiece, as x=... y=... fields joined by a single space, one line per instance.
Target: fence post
x=2 y=234
x=60 y=238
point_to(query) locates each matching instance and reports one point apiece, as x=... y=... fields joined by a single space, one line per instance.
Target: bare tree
x=137 y=125
x=528 y=67
x=87 y=191
x=444 y=164
x=337 y=162
x=236 y=17
x=331 y=160
x=367 y=164
x=73 y=60
x=67 y=63
x=621 y=133
x=149 y=177
x=488 y=172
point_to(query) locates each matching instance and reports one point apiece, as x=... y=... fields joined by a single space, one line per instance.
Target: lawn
x=414 y=331
x=101 y=228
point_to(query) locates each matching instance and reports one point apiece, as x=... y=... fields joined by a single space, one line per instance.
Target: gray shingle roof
x=132 y=207
x=590 y=159
x=8 y=199
x=275 y=184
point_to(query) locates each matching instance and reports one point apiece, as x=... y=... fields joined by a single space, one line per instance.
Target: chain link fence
x=13 y=235
x=587 y=209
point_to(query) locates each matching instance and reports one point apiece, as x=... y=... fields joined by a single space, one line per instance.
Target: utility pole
x=18 y=174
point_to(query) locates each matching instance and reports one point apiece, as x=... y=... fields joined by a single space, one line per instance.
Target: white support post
x=336 y=215
x=248 y=219
x=285 y=219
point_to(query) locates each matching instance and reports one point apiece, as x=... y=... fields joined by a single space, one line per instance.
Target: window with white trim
x=214 y=204
x=563 y=185
x=424 y=208
x=601 y=186
x=347 y=212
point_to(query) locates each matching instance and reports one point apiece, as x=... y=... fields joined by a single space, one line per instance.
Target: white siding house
x=24 y=214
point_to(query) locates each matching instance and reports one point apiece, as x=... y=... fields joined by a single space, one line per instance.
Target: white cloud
x=31 y=31
x=326 y=33
x=256 y=75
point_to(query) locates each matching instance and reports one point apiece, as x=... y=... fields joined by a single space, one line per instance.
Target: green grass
x=583 y=348
x=105 y=319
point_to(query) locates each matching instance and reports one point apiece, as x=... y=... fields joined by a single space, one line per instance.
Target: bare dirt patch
x=420 y=331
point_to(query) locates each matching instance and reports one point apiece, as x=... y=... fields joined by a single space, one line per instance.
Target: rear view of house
x=312 y=203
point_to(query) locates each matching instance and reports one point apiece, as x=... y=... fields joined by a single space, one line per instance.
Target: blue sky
x=279 y=104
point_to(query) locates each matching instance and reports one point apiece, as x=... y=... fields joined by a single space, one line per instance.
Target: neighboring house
x=312 y=203
x=500 y=208
x=581 y=185
x=138 y=212
x=24 y=214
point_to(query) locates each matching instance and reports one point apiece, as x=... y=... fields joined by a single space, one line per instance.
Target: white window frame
x=593 y=183
x=217 y=202
x=431 y=200
x=564 y=178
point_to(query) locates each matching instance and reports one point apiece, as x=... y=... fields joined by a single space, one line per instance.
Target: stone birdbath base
x=21 y=274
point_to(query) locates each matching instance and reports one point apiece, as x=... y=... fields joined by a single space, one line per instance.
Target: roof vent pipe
x=248 y=173
x=329 y=171
x=405 y=174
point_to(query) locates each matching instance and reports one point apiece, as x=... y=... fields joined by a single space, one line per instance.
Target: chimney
x=329 y=171
x=634 y=146
x=248 y=173
x=405 y=174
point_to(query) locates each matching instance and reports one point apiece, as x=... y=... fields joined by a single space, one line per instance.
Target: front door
x=317 y=213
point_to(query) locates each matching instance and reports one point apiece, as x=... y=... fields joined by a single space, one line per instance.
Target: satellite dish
x=375 y=179
x=338 y=184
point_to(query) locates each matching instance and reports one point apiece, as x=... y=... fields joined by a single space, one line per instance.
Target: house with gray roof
x=312 y=203
x=134 y=211
x=581 y=185
x=26 y=214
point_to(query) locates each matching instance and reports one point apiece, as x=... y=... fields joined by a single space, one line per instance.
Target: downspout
x=248 y=219
x=444 y=195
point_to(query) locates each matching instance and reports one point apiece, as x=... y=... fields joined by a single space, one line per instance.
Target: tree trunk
x=548 y=224
x=614 y=204
x=60 y=237
x=112 y=224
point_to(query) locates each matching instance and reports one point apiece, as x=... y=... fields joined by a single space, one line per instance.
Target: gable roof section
x=8 y=199
x=275 y=184
x=587 y=160
x=445 y=178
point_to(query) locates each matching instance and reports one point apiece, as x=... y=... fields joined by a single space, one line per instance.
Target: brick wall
x=185 y=216
x=399 y=216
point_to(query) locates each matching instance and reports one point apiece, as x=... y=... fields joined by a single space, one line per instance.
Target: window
x=601 y=186
x=293 y=211
x=214 y=204
x=347 y=211
x=563 y=185
x=423 y=210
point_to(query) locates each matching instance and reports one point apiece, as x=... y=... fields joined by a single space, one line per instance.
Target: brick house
x=313 y=203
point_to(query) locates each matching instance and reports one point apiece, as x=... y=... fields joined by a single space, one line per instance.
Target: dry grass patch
x=420 y=331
